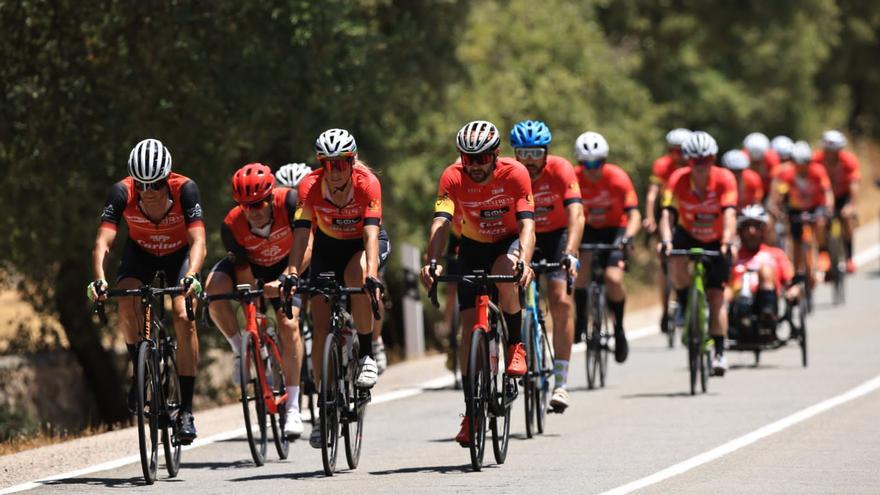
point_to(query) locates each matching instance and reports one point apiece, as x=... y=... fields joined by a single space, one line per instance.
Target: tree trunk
x=74 y=313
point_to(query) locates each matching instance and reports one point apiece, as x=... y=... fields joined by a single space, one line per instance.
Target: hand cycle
x=491 y=393
x=341 y=404
x=539 y=352
x=598 y=333
x=155 y=376
x=261 y=375
x=696 y=318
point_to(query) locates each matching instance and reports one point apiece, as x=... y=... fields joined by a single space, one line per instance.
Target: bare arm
x=103 y=241
x=666 y=226
x=436 y=245
x=729 y=226
x=650 y=203
x=301 y=241
x=197 y=248
x=371 y=249
x=526 y=240
x=634 y=222
x=575 y=227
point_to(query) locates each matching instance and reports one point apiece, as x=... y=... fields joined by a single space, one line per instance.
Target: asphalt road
x=642 y=423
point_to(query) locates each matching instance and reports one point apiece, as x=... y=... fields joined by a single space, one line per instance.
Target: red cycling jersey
x=754 y=260
x=700 y=214
x=261 y=248
x=490 y=212
x=608 y=200
x=363 y=207
x=842 y=175
x=803 y=192
x=766 y=168
x=555 y=189
x=663 y=168
x=169 y=234
x=750 y=189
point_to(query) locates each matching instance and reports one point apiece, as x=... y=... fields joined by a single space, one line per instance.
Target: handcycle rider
x=165 y=233
x=494 y=195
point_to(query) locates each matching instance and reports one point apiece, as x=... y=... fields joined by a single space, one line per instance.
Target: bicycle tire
x=252 y=402
x=604 y=337
x=503 y=390
x=802 y=331
x=329 y=403
x=357 y=406
x=546 y=360
x=478 y=384
x=171 y=394
x=529 y=380
x=705 y=366
x=279 y=387
x=694 y=340
x=147 y=413
x=593 y=339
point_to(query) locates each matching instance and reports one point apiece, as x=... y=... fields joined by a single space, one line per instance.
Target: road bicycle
x=156 y=380
x=342 y=405
x=263 y=392
x=836 y=274
x=599 y=332
x=490 y=391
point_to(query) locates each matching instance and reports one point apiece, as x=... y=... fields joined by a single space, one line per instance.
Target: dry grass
x=43 y=438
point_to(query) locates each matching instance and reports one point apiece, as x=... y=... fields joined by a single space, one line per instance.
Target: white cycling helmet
x=833 y=140
x=756 y=144
x=677 y=137
x=291 y=174
x=590 y=146
x=782 y=146
x=335 y=142
x=735 y=160
x=149 y=161
x=754 y=213
x=699 y=145
x=801 y=153
x=477 y=136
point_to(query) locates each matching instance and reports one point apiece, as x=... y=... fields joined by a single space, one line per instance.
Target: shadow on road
x=218 y=466
x=661 y=395
x=464 y=468
x=284 y=476
x=105 y=482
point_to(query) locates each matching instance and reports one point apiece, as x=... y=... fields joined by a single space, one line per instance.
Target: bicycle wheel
x=605 y=336
x=594 y=338
x=171 y=394
x=252 y=402
x=705 y=366
x=478 y=384
x=279 y=386
x=694 y=340
x=529 y=381
x=545 y=363
x=147 y=411
x=329 y=402
x=356 y=407
x=503 y=392
x=802 y=330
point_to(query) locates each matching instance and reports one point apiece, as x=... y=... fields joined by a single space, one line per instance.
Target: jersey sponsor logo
x=170 y=219
x=272 y=252
x=498 y=191
x=498 y=201
x=160 y=238
x=344 y=222
x=490 y=225
x=195 y=211
x=495 y=212
x=160 y=246
x=108 y=211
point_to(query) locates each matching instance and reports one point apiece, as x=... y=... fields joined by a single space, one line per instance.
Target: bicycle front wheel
x=545 y=367
x=148 y=406
x=353 y=426
x=529 y=381
x=329 y=402
x=171 y=394
x=279 y=387
x=252 y=402
x=694 y=339
x=503 y=391
x=478 y=385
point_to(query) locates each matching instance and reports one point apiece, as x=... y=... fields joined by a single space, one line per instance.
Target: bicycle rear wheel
x=279 y=387
x=530 y=389
x=478 y=384
x=171 y=394
x=502 y=393
x=329 y=402
x=545 y=363
x=594 y=338
x=356 y=407
x=252 y=402
x=148 y=398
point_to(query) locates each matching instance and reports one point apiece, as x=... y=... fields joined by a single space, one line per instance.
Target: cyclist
x=804 y=187
x=612 y=218
x=750 y=189
x=494 y=195
x=782 y=145
x=844 y=171
x=773 y=267
x=764 y=159
x=344 y=199
x=660 y=172
x=257 y=235
x=701 y=202
x=559 y=223
x=165 y=232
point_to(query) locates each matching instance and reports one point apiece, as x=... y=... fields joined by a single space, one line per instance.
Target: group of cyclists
x=497 y=212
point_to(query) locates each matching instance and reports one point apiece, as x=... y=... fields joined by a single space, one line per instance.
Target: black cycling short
x=550 y=246
x=264 y=273
x=332 y=255
x=139 y=264
x=475 y=255
x=717 y=268
x=606 y=235
x=839 y=202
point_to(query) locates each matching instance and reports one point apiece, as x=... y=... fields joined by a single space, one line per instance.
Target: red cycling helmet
x=252 y=183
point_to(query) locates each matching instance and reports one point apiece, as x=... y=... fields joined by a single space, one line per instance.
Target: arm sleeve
x=373 y=201
x=190 y=201
x=234 y=251
x=114 y=206
x=444 y=206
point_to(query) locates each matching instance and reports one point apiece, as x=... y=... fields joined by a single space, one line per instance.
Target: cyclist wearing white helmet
x=750 y=189
x=662 y=168
x=700 y=202
x=782 y=146
x=764 y=159
x=165 y=233
x=494 y=196
x=612 y=218
x=844 y=171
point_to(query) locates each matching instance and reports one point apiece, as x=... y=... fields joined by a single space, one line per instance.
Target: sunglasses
x=338 y=163
x=592 y=164
x=478 y=160
x=706 y=160
x=151 y=186
x=256 y=205
x=530 y=153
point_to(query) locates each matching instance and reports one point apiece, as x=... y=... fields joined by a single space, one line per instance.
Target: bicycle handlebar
x=477 y=277
x=544 y=266
x=695 y=253
x=333 y=288
x=143 y=291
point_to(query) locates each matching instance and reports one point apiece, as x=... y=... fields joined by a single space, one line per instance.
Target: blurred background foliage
x=223 y=83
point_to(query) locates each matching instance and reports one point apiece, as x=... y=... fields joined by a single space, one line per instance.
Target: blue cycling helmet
x=530 y=133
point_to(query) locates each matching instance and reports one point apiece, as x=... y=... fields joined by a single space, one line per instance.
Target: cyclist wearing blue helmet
x=559 y=224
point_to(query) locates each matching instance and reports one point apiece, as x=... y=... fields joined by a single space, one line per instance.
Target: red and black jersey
x=246 y=246
x=169 y=234
x=363 y=207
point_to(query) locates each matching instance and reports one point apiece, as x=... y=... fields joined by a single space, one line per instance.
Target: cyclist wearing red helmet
x=165 y=233
x=257 y=235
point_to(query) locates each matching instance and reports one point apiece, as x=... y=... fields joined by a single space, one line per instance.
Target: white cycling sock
x=292 y=397
x=560 y=372
x=234 y=342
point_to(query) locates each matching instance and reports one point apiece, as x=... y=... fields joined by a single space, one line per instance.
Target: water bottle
x=493 y=354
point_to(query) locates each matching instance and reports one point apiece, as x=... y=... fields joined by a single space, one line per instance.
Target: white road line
x=749 y=438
